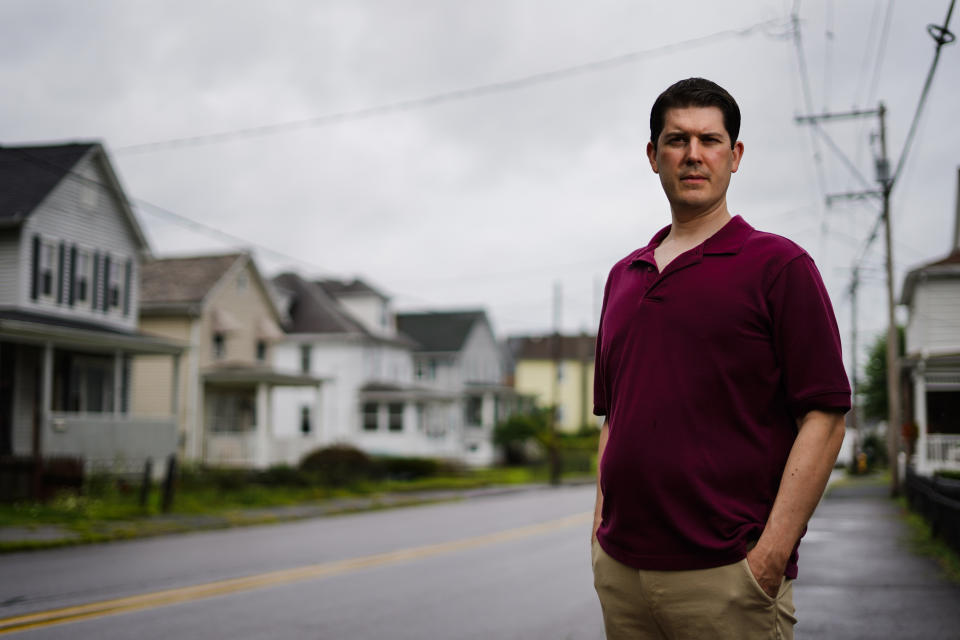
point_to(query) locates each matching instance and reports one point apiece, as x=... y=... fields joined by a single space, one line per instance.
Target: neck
x=698 y=226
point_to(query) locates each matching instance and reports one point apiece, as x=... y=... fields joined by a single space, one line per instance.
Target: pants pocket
x=755 y=586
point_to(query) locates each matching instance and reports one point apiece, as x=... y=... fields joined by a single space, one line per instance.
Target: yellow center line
x=272 y=578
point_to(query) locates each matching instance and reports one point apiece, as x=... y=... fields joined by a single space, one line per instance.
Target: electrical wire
x=455 y=95
x=808 y=103
x=941 y=35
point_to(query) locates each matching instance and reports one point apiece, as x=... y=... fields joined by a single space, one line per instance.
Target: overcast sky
x=491 y=199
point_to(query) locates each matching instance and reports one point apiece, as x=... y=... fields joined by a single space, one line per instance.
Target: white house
x=405 y=385
x=457 y=354
x=345 y=332
x=70 y=259
x=932 y=358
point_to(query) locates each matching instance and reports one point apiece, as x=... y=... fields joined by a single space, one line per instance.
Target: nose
x=694 y=151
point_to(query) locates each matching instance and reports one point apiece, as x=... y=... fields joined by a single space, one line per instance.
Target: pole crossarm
x=854 y=195
x=842 y=115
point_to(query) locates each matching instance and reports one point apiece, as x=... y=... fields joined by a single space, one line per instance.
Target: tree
x=516 y=433
x=874 y=387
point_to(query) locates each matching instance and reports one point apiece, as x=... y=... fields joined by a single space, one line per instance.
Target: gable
x=29 y=174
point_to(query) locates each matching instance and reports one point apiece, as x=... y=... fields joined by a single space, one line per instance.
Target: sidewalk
x=859 y=579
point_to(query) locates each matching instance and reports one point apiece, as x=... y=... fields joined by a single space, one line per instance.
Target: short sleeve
x=601 y=396
x=807 y=340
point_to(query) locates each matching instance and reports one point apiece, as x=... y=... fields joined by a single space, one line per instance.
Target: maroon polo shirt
x=702 y=372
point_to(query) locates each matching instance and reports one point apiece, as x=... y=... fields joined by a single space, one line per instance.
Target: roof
x=28 y=174
x=440 y=330
x=182 y=281
x=313 y=310
x=39 y=327
x=947 y=267
x=356 y=286
x=577 y=347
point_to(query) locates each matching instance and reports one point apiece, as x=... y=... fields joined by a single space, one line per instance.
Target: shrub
x=409 y=468
x=283 y=475
x=341 y=465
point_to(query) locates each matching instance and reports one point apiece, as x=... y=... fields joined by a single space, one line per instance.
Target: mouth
x=693 y=178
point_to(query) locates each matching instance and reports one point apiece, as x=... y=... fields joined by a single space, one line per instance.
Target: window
x=370 y=416
x=305 y=419
x=305 y=353
x=46 y=269
x=219 y=345
x=81 y=282
x=474 y=413
x=395 y=412
x=261 y=350
x=116 y=277
x=421 y=417
x=560 y=372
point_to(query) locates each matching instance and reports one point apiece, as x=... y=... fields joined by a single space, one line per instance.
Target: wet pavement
x=859 y=578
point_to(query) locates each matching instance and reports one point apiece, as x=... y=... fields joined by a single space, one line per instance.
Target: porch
x=64 y=392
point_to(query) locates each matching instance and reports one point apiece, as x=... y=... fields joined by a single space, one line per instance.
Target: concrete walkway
x=859 y=579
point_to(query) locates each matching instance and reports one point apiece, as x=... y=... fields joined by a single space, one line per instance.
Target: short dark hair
x=695 y=92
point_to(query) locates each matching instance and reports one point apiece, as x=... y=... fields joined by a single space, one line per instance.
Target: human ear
x=652 y=156
x=737 y=155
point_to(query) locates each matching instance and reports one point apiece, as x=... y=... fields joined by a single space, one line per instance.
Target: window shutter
x=127 y=290
x=105 y=296
x=95 y=282
x=61 y=268
x=35 y=269
x=72 y=276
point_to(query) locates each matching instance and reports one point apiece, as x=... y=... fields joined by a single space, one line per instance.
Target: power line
x=808 y=103
x=941 y=35
x=455 y=95
x=881 y=49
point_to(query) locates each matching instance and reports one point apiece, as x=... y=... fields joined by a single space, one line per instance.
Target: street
x=510 y=566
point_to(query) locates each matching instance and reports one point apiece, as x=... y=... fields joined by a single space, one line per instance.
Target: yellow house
x=558 y=371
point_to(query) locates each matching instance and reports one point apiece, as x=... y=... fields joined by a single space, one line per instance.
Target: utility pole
x=893 y=342
x=854 y=385
x=557 y=348
x=894 y=420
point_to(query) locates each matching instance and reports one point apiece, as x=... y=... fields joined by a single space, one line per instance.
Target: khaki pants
x=720 y=603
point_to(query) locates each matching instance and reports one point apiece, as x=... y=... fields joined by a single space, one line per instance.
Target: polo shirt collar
x=729 y=239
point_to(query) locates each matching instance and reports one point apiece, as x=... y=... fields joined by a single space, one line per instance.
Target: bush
x=283 y=475
x=409 y=468
x=341 y=465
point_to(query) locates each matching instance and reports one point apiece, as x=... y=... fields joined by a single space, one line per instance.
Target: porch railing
x=111 y=442
x=943 y=451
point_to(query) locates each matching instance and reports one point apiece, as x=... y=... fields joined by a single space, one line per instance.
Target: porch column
x=117 y=382
x=175 y=391
x=488 y=417
x=920 y=415
x=46 y=399
x=261 y=455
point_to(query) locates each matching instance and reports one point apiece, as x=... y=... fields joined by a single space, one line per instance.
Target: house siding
x=934 y=326
x=9 y=267
x=24 y=391
x=240 y=295
x=575 y=389
x=80 y=214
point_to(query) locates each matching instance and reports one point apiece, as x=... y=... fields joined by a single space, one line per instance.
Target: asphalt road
x=509 y=566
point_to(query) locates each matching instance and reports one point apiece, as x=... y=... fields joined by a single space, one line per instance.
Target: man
x=719 y=372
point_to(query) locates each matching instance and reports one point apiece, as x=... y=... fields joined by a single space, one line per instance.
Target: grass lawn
x=109 y=510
